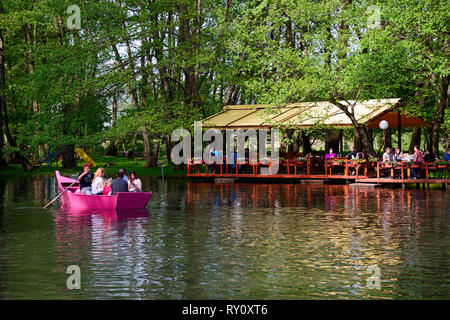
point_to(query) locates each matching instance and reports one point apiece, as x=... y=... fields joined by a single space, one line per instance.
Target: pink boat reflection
x=73 y=199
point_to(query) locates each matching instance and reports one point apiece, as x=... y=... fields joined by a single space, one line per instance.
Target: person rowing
x=85 y=177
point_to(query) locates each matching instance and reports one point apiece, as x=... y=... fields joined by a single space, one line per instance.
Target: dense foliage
x=148 y=67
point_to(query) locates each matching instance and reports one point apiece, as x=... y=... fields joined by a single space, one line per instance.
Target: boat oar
x=59 y=195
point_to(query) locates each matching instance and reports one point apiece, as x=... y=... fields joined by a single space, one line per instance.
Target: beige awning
x=308 y=114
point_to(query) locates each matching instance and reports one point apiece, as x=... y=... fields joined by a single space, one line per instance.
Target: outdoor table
x=288 y=163
x=385 y=166
x=336 y=163
x=300 y=164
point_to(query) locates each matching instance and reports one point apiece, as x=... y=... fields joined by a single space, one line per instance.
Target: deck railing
x=315 y=166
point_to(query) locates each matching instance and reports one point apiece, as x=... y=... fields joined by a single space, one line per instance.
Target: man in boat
x=85 y=177
x=125 y=178
x=119 y=184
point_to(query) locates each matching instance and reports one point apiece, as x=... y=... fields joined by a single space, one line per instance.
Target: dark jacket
x=119 y=185
x=352 y=154
x=86 y=181
x=429 y=157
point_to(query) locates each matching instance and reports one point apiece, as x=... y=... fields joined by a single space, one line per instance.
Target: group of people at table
x=390 y=155
x=397 y=156
x=96 y=184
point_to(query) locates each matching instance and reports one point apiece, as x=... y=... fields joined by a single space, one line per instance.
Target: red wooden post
x=378 y=171
x=308 y=166
x=357 y=170
x=403 y=173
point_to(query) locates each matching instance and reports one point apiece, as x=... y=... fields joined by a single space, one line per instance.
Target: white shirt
x=97 y=185
x=137 y=182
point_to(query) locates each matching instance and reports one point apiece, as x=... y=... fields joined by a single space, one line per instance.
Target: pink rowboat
x=73 y=199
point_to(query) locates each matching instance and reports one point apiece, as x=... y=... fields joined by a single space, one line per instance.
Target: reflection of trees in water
x=271 y=240
x=3 y=260
x=116 y=256
x=353 y=227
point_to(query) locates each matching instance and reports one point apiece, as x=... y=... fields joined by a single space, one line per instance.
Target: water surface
x=227 y=241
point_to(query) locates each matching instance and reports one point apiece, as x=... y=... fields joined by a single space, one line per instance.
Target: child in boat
x=107 y=188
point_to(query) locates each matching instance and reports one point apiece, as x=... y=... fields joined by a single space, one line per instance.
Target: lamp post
x=384 y=125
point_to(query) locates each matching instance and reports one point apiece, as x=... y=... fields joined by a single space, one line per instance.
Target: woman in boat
x=98 y=183
x=134 y=183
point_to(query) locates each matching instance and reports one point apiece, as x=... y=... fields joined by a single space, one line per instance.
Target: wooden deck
x=273 y=176
x=345 y=170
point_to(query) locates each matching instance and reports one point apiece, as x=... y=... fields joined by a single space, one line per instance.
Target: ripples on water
x=228 y=241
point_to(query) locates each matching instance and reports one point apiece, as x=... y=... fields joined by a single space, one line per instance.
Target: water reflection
x=228 y=241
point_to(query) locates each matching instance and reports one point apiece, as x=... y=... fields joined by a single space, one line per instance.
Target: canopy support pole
x=399 y=128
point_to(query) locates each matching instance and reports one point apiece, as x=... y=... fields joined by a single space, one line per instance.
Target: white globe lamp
x=384 y=124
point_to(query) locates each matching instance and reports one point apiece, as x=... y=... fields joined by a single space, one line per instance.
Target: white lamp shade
x=384 y=124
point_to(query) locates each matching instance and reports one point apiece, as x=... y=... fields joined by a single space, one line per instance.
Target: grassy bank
x=111 y=169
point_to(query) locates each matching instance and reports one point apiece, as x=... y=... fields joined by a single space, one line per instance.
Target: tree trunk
x=112 y=148
x=440 y=112
x=3 y=163
x=415 y=139
x=306 y=144
x=147 y=149
x=357 y=140
x=387 y=138
x=21 y=159
x=362 y=130
x=68 y=157
x=332 y=140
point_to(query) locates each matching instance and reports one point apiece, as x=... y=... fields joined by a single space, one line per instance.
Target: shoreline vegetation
x=101 y=161
x=16 y=170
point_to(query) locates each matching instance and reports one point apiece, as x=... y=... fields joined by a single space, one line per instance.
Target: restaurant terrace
x=296 y=165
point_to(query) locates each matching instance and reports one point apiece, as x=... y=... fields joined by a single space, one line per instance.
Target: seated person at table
x=236 y=158
x=429 y=156
x=446 y=156
x=387 y=155
x=418 y=159
x=134 y=183
x=398 y=156
x=406 y=156
x=215 y=156
x=353 y=154
x=85 y=177
x=331 y=154
x=118 y=184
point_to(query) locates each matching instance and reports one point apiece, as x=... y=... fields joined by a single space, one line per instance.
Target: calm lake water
x=228 y=241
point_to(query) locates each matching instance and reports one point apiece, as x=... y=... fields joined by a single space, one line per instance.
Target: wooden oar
x=59 y=195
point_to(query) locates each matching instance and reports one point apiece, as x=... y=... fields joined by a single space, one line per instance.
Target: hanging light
x=383 y=124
